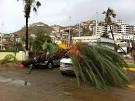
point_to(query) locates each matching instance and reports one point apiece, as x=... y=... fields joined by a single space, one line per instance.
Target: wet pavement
x=50 y=85
x=12 y=81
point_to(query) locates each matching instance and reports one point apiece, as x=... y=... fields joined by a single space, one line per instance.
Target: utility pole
x=79 y=30
x=69 y=36
x=2 y=36
x=1 y=41
x=96 y=23
x=97 y=16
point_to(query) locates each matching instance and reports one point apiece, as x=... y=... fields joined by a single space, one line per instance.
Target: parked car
x=46 y=64
x=66 y=66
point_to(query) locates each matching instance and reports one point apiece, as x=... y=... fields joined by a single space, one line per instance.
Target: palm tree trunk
x=27 y=39
x=113 y=38
x=112 y=33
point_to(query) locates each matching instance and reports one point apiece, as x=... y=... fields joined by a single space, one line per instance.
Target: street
x=50 y=85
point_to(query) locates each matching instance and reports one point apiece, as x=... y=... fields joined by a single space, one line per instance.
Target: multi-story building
x=123 y=36
x=123 y=28
x=131 y=29
x=98 y=28
x=119 y=27
x=6 y=40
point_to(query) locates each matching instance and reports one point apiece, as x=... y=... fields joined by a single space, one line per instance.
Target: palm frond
x=99 y=66
x=38 y=4
x=104 y=12
x=113 y=15
x=34 y=9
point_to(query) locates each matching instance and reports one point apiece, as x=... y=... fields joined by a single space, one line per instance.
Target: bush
x=9 y=58
x=8 y=50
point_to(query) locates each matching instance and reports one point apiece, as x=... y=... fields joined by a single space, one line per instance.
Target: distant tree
x=105 y=35
x=109 y=14
x=74 y=33
x=50 y=47
x=87 y=32
x=28 y=5
x=36 y=44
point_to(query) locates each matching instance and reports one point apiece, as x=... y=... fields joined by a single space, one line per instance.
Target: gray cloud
x=58 y=12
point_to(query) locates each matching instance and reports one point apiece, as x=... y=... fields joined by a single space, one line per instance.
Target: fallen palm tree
x=46 y=57
x=99 y=66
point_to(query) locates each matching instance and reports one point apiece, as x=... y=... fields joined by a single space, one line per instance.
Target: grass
x=131 y=65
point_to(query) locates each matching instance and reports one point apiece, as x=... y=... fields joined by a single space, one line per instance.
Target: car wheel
x=63 y=73
x=50 y=65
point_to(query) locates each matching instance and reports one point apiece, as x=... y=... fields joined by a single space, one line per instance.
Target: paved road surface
x=50 y=85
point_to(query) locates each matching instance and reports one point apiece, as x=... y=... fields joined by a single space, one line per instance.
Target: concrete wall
x=19 y=55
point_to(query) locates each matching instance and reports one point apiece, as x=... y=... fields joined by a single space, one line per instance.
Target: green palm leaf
x=100 y=66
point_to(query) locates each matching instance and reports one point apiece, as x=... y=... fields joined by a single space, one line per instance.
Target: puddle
x=15 y=82
x=5 y=80
x=132 y=86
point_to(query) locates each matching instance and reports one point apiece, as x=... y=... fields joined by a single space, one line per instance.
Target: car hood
x=66 y=60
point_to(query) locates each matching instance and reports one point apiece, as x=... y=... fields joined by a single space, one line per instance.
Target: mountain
x=41 y=28
x=36 y=28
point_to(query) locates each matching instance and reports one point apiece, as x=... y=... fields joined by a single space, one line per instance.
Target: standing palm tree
x=28 y=5
x=109 y=14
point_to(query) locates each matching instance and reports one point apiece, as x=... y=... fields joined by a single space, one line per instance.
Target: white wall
x=19 y=55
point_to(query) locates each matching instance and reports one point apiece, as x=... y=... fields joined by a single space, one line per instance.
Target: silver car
x=66 y=66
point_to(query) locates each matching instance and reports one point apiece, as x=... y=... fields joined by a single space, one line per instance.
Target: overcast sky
x=58 y=12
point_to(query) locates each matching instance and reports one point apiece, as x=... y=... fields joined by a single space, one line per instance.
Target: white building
x=124 y=28
x=118 y=36
x=98 y=29
x=120 y=29
x=88 y=39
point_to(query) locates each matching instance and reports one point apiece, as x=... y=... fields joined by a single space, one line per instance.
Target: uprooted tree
x=99 y=66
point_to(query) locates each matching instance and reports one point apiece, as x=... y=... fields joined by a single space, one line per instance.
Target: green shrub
x=9 y=58
x=132 y=65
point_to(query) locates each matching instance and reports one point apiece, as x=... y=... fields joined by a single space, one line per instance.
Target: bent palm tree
x=109 y=14
x=28 y=5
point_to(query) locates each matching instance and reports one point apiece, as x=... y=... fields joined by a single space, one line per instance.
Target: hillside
x=36 y=28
